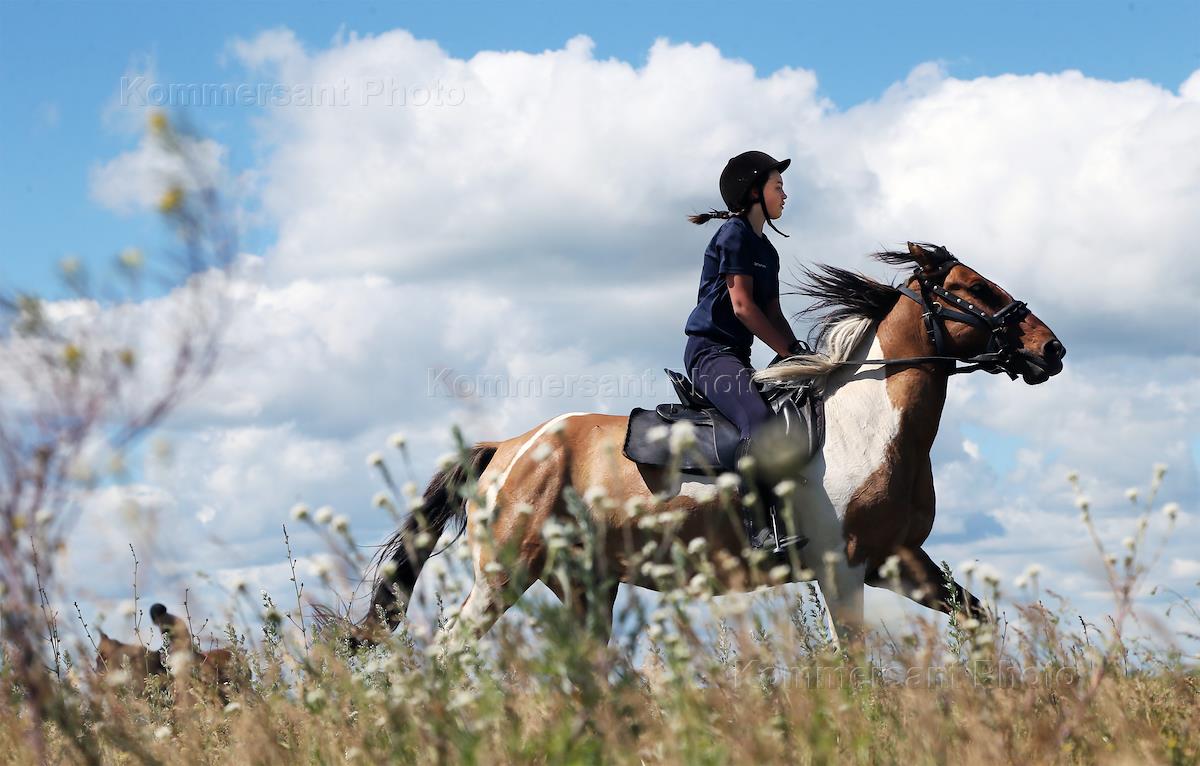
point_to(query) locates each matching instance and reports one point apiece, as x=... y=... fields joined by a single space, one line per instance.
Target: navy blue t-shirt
x=734 y=249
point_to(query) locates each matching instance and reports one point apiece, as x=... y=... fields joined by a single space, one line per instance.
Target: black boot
x=764 y=531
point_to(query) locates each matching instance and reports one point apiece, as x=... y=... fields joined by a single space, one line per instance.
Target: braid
x=711 y=214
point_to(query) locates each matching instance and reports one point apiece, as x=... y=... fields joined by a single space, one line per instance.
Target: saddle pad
x=699 y=459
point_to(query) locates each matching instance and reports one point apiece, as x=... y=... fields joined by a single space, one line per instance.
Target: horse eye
x=980 y=289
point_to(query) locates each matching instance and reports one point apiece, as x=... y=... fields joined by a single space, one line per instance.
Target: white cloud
x=536 y=229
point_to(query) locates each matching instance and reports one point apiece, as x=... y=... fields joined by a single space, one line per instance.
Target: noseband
x=1001 y=349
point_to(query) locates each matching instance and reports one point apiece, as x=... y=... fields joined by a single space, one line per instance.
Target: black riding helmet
x=744 y=172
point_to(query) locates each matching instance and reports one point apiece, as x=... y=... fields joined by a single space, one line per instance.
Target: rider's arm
x=741 y=296
x=774 y=312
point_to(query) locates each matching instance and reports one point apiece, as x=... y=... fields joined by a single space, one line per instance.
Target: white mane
x=840 y=343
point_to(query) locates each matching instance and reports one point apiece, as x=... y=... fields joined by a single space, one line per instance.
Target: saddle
x=800 y=411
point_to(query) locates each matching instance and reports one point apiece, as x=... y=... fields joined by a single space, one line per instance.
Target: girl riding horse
x=738 y=300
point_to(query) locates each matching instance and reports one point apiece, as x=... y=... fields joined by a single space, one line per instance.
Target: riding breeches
x=723 y=375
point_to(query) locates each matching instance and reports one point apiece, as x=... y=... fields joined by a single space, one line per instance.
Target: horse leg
x=923 y=581
x=842 y=588
x=592 y=608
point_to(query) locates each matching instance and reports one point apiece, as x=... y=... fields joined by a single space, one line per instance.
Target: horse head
x=973 y=319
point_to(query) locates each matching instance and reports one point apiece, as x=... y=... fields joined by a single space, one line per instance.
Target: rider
x=739 y=300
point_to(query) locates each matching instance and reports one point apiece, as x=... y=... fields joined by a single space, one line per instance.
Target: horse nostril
x=1054 y=350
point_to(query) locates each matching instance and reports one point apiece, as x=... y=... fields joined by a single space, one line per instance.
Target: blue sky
x=332 y=361
x=61 y=63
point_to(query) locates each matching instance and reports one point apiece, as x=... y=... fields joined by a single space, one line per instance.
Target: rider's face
x=773 y=194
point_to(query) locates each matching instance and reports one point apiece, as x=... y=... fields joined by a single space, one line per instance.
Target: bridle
x=1001 y=349
x=1001 y=352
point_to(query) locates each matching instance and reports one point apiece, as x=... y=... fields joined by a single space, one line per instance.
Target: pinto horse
x=886 y=356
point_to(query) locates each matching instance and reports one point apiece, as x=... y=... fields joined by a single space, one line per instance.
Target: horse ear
x=921 y=256
x=928 y=258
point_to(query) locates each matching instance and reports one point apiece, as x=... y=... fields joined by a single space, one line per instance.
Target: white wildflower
x=300 y=512
x=117 y=677
x=493 y=567
x=162 y=732
x=238 y=584
x=745 y=463
x=779 y=573
x=542 y=451
x=657 y=433
x=967 y=568
x=381 y=500
x=324 y=514
x=683 y=436
x=409 y=489
x=341 y=523
x=971 y=624
x=557 y=426
x=523 y=508
x=1131 y=494
x=315 y=696
x=831 y=557
x=388 y=569
x=594 y=494
x=397 y=440
x=1171 y=511
x=375 y=459
x=785 y=488
x=1160 y=470
x=1083 y=503
x=1021 y=581
x=729 y=480
x=890 y=568
x=697 y=545
x=233 y=707
x=446 y=460
x=1129 y=543
x=1072 y=476
x=655 y=632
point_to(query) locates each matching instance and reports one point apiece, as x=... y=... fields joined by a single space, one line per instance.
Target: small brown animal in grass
x=140 y=662
x=216 y=667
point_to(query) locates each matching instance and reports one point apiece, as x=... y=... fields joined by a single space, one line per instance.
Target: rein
x=1000 y=350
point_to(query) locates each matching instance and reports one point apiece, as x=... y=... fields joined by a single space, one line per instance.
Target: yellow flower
x=158 y=122
x=72 y=355
x=170 y=200
x=131 y=258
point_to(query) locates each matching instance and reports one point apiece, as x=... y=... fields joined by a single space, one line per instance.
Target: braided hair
x=743 y=209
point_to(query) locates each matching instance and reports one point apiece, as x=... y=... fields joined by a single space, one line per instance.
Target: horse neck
x=918 y=391
x=909 y=398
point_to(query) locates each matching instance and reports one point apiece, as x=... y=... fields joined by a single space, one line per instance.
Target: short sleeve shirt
x=735 y=249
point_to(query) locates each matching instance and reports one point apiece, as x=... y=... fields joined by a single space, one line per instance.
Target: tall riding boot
x=761 y=519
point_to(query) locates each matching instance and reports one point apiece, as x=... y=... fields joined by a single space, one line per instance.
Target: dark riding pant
x=723 y=375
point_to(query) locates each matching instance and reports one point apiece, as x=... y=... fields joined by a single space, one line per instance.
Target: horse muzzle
x=1034 y=368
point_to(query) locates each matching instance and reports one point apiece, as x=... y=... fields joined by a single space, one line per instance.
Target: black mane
x=840 y=294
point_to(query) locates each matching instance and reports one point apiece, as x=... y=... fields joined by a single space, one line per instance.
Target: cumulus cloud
x=531 y=224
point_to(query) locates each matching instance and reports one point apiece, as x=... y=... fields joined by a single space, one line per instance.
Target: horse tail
x=401 y=558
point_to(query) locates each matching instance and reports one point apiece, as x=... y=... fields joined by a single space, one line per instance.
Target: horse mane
x=848 y=304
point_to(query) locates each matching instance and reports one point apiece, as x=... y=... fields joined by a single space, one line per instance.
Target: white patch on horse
x=702 y=490
x=860 y=423
x=494 y=490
